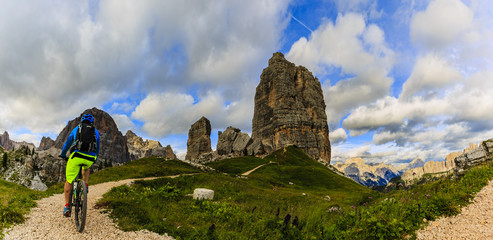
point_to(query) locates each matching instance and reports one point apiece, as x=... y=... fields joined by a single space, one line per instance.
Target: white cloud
x=389 y=111
x=174 y=113
x=62 y=60
x=442 y=23
x=431 y=73
x=123 y=122
x=387 y=136
x=334 y=46
x=337 y=136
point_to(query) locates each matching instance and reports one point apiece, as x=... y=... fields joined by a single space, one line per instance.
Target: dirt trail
x=46 y=220
x=248 y=173
x=474 y=222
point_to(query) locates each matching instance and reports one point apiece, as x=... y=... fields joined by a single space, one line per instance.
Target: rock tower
x=290 y=109
x=199 y=139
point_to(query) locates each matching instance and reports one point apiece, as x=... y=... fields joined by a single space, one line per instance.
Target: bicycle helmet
x=87 y=118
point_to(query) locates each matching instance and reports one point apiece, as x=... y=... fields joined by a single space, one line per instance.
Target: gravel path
x=46 y=220
x=474 y=222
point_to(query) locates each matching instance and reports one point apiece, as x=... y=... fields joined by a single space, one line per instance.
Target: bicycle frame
x=78 y=199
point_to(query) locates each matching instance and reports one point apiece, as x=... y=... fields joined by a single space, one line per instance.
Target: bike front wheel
x=81 y=206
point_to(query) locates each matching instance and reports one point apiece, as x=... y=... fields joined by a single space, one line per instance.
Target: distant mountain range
x=371 y=174
x=379 y=174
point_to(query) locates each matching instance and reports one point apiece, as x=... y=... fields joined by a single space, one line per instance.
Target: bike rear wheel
x=81 y=205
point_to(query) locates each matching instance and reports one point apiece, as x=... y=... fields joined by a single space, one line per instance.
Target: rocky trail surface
x=46 y=221
x=474 y=222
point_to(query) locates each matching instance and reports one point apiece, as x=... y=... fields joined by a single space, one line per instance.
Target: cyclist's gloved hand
x=63 y=157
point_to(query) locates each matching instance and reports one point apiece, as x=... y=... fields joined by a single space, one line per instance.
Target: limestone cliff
x=290 y=109
x=438 y=168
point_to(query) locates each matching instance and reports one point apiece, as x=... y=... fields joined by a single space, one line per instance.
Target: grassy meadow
x=292 y=197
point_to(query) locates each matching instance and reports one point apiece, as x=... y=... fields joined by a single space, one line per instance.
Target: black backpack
x=85 y=139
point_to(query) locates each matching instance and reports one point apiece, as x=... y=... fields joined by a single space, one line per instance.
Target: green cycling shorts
x=75 y=159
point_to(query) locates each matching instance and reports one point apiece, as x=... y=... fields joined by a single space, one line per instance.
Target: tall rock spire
x=199 y=139
x=290 y=109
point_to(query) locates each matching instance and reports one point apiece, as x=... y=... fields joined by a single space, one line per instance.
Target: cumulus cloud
x=124 y=123
x=174 y=113
x=431 y=73
x=336 y=46
x=442 y=23
x=337 y=136
x=62 y=60
x=391 y=112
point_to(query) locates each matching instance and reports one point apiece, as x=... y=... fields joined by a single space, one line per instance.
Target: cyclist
x=83 y=143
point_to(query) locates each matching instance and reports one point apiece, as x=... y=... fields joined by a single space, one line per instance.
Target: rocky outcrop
x=368 y=174
x=138 y=148
x=5 y=142
x=449 y=159
x=233 y=143
x=436 y=168
x=256 y=148
x=113 y=149
x=199 y=141
x=474 y=156
x=290 y=109
x=170 y=154
x=165 y=152
x=416 y=163
x=45 y=144
x=440 y=168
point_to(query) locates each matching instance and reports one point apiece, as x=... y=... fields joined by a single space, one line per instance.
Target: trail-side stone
x=290 y=109
x=203 y=194
x=199 y=139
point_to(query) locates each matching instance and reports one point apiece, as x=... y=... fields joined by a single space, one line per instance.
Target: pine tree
x=5 y=158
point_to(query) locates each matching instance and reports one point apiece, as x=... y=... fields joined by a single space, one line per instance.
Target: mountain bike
x=78 y=199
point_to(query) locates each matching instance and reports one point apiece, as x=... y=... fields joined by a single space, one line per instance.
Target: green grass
x=15 y=201
x=255 y=207
x=145 y=167
x=400 y=212
x=237 y=165
x=141 y=168
x=243 y=208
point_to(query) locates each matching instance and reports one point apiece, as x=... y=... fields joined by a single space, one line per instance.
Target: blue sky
x=401 y=79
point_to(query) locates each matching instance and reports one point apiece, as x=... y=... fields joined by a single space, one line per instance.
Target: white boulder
x=203 y=193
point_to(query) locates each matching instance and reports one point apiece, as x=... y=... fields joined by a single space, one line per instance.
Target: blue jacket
x=71 y=140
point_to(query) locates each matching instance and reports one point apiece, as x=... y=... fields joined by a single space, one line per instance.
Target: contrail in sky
x=302 y=24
